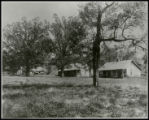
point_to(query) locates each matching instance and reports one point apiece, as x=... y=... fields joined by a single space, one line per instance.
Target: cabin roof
x=70 y=69
x=76 y=66
x=118 y=65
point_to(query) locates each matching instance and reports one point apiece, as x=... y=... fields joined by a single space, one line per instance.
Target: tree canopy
x=67 y=35
x=25 y=43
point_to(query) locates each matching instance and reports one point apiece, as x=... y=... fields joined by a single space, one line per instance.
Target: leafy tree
x=49 y=61
x=116 y=21
x=66 y=35
x=25 y=43
x=86 y=55
x=117 y=53
x=9 y=62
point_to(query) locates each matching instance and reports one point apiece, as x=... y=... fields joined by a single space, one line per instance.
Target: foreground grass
x=67 y=100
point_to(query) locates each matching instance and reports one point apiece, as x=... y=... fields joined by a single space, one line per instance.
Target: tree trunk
x=96 y=58
x=27 y=71
x=94 y=63
x=90 y=71
x=62 y=71
x=27 y=67
x=96 y=49
x=49 y=69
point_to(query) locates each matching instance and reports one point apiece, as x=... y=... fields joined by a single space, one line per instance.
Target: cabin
x=76 y=70
x=120 y=69
x=73 y=72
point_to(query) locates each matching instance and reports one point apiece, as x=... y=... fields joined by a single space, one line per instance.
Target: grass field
x=45 y=96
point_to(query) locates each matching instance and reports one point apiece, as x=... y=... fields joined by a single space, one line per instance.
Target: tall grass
x=69 y=100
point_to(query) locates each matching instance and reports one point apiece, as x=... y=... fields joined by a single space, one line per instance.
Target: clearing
x=46 y=97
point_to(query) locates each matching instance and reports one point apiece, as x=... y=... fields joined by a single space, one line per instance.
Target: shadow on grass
x=16 y=95
x=43 y=86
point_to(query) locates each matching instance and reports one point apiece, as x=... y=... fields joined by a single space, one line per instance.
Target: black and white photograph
x=74 y=59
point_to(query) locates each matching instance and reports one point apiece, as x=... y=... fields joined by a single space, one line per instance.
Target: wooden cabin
x=76 y=70
x=120 y=69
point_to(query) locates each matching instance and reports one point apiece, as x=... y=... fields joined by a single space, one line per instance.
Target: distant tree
x=116 y=21
x=49 y=61
x=25 y=44
x=85 y=54
x=66 y=35
x=9 y=62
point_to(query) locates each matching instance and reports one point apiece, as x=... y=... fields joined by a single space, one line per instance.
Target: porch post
x=122 y=73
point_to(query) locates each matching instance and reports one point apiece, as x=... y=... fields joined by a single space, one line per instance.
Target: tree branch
x=141 y=47
x=125 y=20
x=107 y=6
x=123 y=31
x=115 y=32
x=118 y=40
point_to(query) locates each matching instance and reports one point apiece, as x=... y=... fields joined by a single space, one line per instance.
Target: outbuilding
x=120 y=69
x=76 y=70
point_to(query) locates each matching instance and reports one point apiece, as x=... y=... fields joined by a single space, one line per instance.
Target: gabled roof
x=70 y=69
x=118 y=65
x=76 y=66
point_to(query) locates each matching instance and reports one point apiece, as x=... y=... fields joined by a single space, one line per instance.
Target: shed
x=76 y=70
x=72 y=72
x=120 y=69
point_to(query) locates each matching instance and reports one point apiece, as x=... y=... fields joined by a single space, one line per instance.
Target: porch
x=118 y=73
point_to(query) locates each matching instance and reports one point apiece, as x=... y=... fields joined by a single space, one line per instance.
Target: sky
x=14 y=11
